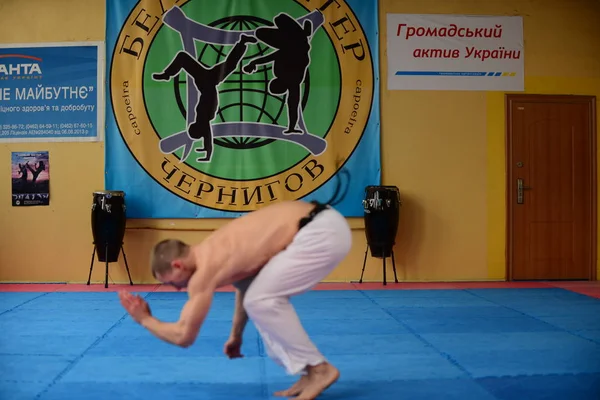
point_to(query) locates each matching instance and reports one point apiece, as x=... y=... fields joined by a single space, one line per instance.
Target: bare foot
x=320 y=377
x=295 y=389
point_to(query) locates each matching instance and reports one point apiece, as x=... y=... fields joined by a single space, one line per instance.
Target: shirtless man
x=268 y=255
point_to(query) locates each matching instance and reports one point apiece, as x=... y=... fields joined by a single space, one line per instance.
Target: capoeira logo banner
x=221 y=107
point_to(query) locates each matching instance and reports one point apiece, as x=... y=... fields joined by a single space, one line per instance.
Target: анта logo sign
x=230 y=106
x=20 y=66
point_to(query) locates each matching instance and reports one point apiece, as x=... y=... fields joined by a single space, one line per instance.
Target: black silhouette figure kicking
x=36 y=172
x=24 y=174
x=206 y=81
x=290 y=61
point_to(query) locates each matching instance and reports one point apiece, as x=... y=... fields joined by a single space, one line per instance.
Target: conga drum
x=108 y=223
x=381 y=215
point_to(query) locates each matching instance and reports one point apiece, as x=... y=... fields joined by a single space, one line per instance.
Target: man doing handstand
x=269 y=255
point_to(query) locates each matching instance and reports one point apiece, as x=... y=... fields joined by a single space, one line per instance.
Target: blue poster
x=218 y=108
x=51 y=92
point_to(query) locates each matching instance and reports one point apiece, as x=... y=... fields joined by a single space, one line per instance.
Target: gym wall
x=444 y=150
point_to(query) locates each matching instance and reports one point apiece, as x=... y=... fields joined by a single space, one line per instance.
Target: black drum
x=108 y=223
x=381 y=214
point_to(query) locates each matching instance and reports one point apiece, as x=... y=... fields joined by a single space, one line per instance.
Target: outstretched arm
x=265 y=59
x=233 y=346
x=181 y=333
x=240 y=318
x=251 y=66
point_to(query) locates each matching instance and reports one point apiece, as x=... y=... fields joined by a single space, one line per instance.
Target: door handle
x=520 y=188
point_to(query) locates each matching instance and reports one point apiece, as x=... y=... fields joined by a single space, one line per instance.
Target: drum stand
x=384 y=269
x=106 y=276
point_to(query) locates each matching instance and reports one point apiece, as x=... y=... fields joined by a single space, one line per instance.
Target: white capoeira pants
x=315 y=252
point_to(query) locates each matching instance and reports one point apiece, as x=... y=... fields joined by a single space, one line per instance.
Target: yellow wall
x=450 y=230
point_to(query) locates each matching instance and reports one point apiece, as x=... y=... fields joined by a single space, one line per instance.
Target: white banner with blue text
x=455 y=52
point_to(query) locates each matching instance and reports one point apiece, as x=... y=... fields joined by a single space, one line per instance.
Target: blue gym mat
x=470 y=344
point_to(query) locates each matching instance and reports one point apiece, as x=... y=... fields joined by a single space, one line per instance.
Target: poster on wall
x=455 y=52
x=212 y=115
x=51 y=92
x=30 y=178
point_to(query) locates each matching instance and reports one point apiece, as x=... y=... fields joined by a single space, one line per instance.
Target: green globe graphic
x=243 y=98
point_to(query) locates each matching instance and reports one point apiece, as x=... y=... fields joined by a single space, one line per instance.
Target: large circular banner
x=231 y=105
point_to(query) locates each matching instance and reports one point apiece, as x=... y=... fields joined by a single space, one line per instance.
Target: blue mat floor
x=471 y=344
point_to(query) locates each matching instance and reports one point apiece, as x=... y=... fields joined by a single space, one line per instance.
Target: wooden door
x=551 y=160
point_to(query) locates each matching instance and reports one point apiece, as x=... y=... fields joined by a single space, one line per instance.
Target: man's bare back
x=243 y=246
